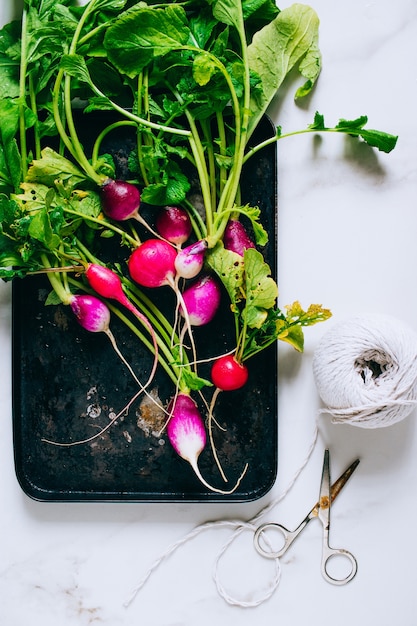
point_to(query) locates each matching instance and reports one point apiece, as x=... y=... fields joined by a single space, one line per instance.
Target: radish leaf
x=385 y=142
x=40 y=228
x=293 y=38
x=261 y=289
x=142 y=34
x=203 y=69
x=229 y=12
x=229 y=267
x=51 y=167
x=254 y=214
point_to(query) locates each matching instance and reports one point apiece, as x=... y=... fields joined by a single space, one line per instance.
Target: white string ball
x=365 y=370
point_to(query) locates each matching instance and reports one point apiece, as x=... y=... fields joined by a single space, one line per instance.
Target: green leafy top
x=192 y=81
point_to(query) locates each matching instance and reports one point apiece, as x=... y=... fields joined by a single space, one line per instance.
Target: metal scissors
x=321 y=510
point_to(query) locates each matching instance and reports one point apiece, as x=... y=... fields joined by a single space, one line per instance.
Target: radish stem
x=22 y=92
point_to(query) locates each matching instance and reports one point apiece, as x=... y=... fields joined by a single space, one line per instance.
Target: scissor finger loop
x=333 y=553
x=263 y=544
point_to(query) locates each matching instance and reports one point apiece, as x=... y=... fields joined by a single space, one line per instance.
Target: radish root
x=196 y=469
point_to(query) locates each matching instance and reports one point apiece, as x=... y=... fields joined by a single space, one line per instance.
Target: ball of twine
x=365 y=369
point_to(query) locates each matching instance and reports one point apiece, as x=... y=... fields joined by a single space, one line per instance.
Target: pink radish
x=201 y=300
x=173 y=224
x=108 y=284
x=236 y=238
x=187 y=434
x=190 y=260
x=185 y=428
x=152 y=264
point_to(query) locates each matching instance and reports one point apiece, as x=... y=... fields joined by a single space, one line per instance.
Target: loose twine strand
x=238 y=526
x=365 y=369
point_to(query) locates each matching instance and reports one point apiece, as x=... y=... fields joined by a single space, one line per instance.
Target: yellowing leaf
x=293 y=335
x=33 y=197
x=314 y=314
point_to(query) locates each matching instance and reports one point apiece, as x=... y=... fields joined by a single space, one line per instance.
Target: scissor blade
x=325 y=496
x=337 y=487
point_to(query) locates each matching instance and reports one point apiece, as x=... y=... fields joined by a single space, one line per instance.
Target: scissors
x=321 y=510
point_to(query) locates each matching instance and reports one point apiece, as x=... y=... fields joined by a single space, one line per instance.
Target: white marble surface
x=347 y=232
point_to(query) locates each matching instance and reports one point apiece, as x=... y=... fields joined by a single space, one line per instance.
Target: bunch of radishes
x=171 y=256
x=163 y=260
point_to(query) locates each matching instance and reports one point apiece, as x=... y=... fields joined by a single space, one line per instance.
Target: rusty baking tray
x=67 y=382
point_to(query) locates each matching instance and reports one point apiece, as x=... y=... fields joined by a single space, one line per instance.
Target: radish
x=120 y=199
x=236 y=238
x=108 y=284
x=201 y=300
x=91 y=313
x=173 y=224
x=152 y=264
x=228 y=374
x=190 y=260
x=187 y=434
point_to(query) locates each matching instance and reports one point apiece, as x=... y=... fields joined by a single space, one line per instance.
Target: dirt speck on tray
x=151 y=416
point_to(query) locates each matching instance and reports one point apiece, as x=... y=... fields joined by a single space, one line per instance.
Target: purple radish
x=152 y=264
x=173 y=224
x=190 y=260
x=235 y=237
x=201 y=300
x=185 y=428
x=108 y=285
x=187 y=434
x=120 y=199
x=91 y=313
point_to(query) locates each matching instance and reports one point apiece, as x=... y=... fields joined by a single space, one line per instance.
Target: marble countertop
x=347 y=239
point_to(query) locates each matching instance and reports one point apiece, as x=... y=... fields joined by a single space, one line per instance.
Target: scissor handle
x=328 y=554
x=288 y=536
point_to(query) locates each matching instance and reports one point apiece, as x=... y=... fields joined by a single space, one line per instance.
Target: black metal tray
x=66 y=383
